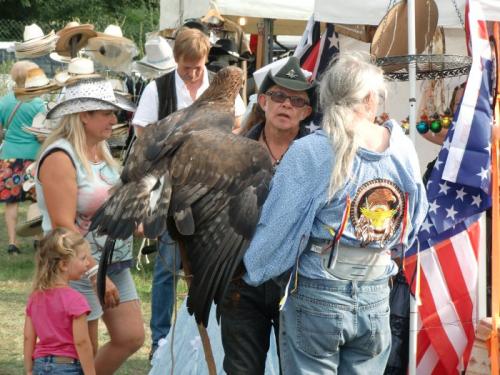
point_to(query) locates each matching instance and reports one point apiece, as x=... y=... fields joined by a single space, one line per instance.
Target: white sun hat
x=78 y=68
x=32 y=32
x=159 y=55
x=91 y=94
x=35 y=43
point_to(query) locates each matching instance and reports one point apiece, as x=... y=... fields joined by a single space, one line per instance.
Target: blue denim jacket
x=385 y=188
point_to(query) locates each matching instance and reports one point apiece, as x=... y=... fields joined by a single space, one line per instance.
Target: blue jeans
x=336 y=327
x=162 y=299
x=47 y=366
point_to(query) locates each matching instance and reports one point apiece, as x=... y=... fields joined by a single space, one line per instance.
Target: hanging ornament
x=422 y=125
x=405 y=124
x=446 y=119
x=435 y=125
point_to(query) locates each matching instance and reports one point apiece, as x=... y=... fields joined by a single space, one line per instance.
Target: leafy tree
x=135 y=17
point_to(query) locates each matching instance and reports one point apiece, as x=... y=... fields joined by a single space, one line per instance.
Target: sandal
x=13 y=249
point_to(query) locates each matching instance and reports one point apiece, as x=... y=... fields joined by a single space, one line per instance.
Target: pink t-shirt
x=52 y=313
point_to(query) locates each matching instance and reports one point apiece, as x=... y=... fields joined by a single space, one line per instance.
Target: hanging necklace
x=276 y=160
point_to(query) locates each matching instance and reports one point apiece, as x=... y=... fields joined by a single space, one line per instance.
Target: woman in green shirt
x=19 y=148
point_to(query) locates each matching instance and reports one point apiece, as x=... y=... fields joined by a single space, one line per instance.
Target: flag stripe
x=458 y=253
x=439 y=316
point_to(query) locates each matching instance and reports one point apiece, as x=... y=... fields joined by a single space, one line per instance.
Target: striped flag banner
x=448 y=241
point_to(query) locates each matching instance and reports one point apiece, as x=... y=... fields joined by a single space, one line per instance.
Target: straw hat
x=89 y=95
x=33 y=224
x=78 y=68
x=82 y=33
x=59 y=58
x=36 y=83
x=32 y=32
x=391 y=36
x=159 y=55
x=111 y=49
x=40 y=126
x=35 y=43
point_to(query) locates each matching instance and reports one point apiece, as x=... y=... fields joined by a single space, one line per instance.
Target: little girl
x=56 y=314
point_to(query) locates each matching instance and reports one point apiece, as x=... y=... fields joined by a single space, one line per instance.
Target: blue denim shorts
x=336 y=327
x=123 y=281
x=47 y=365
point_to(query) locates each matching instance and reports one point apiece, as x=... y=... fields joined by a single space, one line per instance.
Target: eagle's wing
x=219 y=183
x=157 y=139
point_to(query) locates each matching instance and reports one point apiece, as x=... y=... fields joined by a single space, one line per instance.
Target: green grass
x=15 y=281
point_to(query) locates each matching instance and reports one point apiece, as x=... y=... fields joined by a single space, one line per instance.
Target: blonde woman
x=74 y=174
x=341 y=200
x=18 y=150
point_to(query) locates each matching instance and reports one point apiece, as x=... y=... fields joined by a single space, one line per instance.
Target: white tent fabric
x=171 y=11
x=371 y=12
x=338 y=11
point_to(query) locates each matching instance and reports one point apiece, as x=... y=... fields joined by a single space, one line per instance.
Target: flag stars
x=476 y=199
x=446 y=144
x=483 y=174
x=437 y=164
x=433 y=206
x=450 y=212
x=426 y=226
x=312 y=127
x=443 y=188
x=461 y=194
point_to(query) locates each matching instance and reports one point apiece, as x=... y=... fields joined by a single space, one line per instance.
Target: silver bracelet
x=92 y=272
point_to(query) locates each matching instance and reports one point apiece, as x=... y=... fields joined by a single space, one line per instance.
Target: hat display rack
x=429 y=61
x=391 y=57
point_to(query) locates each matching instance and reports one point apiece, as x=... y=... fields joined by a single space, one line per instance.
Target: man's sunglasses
x=279 y=97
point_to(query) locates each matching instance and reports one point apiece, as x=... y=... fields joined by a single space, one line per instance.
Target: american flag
x=316 y=52
x=448 y=241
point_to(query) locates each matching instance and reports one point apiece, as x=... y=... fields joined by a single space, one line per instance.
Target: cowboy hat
x=159 y=55
x=288 y=75
x=225 y=47
x=78 y=68
x=91 y=94
x=390 y=38
x=36 y=83
x=35 y=43
x=59 y=58
x=81 y=33
x=33 y=224
x=111 y=49
x=40 y=126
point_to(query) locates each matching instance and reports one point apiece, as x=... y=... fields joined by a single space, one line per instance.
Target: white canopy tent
x=173 y=12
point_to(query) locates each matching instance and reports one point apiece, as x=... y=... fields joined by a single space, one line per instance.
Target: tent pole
x=412 y=78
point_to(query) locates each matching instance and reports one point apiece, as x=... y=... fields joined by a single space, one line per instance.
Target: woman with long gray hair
x=341 y=200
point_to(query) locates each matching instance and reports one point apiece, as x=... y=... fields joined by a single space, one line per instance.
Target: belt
x=353 y=263
x=59 y=359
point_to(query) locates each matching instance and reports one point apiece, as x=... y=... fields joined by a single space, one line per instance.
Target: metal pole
x=412 y=78
x=412 y=70
x=268 y=41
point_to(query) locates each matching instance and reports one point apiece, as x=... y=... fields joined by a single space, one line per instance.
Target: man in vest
x=171 y=92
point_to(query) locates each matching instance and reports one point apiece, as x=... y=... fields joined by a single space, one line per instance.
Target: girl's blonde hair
x=344 y=90
x=58 y=245
x=71 y=128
